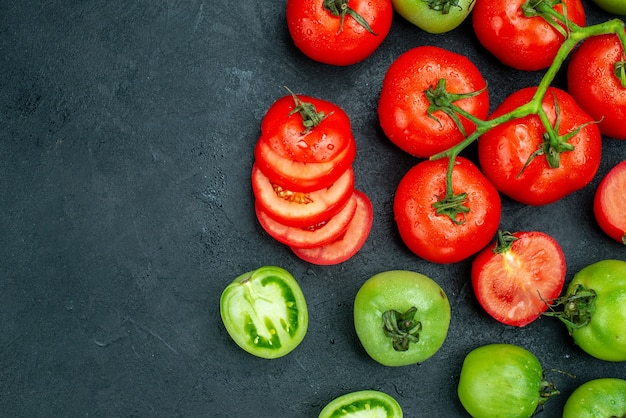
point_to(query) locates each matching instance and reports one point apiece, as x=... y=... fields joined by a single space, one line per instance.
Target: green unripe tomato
x=597 y=398
x=434 y=16
x=401 y=317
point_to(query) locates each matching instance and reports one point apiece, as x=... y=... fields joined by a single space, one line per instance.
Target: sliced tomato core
x=315 y=235
x=302 y=176
x=301 y=209
x=347 y=244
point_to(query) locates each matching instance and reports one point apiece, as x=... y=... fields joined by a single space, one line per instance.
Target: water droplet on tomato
x=302 y=144
x=330 y=146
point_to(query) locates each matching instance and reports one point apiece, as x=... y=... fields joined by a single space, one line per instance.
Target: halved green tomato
x=363 y=404
x=301 y=209
x=302 y=176
x=313 y=236
x=348 y=243
x=265 y=312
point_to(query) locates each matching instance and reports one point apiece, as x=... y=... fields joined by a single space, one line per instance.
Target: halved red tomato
x=609 y=205
x=301 y=209
x=313 y=236
x=302 y=176
x=348 y=243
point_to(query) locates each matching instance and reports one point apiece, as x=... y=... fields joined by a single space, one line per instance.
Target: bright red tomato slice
x=515 y=278
x=609 y=204
x=302 y=176
x=313 y=236
x=301 y=209
x=347 y=244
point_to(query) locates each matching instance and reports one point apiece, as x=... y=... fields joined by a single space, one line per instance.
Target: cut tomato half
x=348 y=243
x=302 y=176
x=609 y=204
x=301 y=209
x=316 y=235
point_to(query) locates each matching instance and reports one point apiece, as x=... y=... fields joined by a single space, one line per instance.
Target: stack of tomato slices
x=303 y=181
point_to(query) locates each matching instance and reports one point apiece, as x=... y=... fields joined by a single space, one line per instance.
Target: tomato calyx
x=577 y=308
x=440 y=99
x=443 y=6
x=545 y=10
x=546 y=391
x=402 y=328
x=310 y=116
x=451 y=205
x=620 y=72
x=504 y=241
x=340 y=8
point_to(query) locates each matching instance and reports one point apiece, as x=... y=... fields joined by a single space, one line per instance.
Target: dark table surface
x=126 y=141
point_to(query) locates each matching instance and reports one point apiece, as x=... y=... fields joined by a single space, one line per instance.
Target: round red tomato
x=593 y=82
x=506 y=151
x=515 y=278
x=301 y=209
x=403 y=107
x=346 y=244
x=521 y=42
x=306 y=144
x=435 y=236
x=609 y=203
x=338 y=32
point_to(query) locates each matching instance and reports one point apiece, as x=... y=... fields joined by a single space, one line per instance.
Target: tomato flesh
x=515 y=286
x=301 y=209
x=347 y=243
x=609 y=203
x=363 y=404
x=312 y=236
x=265 y=312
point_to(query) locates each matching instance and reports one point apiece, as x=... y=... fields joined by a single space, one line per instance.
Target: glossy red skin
x=505 y=149
x=435 y=237
x=320 y=205
x=609 y=205
x=402 y=106
x=515 y=286
x=299 y=160
x=591 y=81
x=347 y=244
x=316 y=31
x=516 y=40
x=322 y=234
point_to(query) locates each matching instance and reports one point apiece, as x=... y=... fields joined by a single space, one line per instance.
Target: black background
x=126 y=141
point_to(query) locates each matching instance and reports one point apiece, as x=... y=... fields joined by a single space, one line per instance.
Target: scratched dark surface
x=126 y=139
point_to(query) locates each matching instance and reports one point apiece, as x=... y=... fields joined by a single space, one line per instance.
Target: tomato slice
x=348 y=243
x=302 y=176
x=298 y=208
x=265 y=312
x=364 y=403
x=609 y=204
x=516 y=278
x=313 y=236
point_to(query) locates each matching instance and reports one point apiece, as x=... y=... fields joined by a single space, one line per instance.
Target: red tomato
x=435 y=237
x=305 y=153
x=338 y=32
x=592 y=81
x=515 y=278
x=609 y=205
x=504 y=151
x=524 y=43
x=301 y=209
x=348 y=243
x=403 y=106
x=315 y=235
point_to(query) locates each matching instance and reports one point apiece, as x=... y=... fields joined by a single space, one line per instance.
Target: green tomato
x=502 y=380
x=594 y=309
x=401 y=317
x=362 y=404
x=617 y=7
x=434 y=16
x=264 y=312
x=597 y=398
